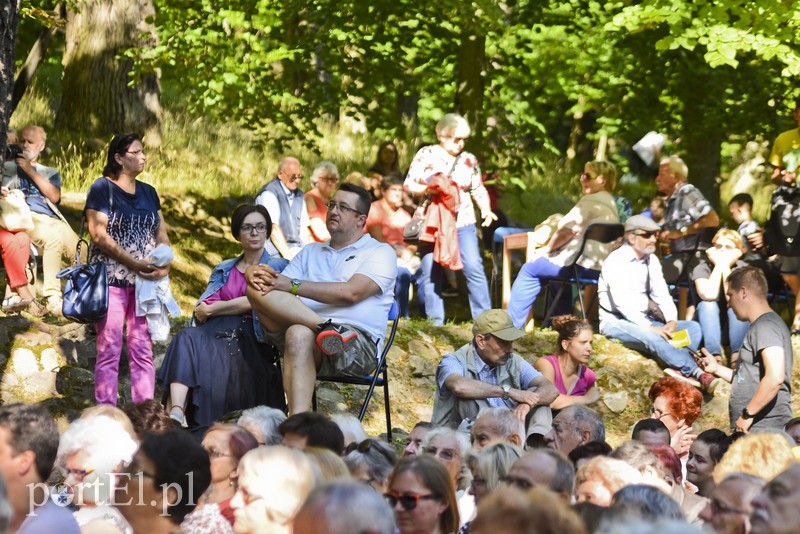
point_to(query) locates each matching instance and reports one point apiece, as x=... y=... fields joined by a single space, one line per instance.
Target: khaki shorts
x=361 y=360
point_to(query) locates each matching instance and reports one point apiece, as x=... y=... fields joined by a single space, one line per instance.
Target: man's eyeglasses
x=443 y=454
x=646 y=235
x=293 y=177
x=343 y=208
x=519 y=483
x=408 y=501
x=722 y=508
x=248 y=228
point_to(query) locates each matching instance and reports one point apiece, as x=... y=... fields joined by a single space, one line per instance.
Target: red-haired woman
x=676 y=404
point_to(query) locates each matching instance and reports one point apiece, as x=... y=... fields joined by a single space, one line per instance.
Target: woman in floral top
x=449 y=159
x=125 y=224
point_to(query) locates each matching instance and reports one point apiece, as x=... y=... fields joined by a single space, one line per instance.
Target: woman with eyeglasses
x=451 y=178
x=489 y=468
x=422 y=495
x=91 y=451
x=371 y=462
x=676 y=404
x=221 y=363
x=324 y=179
x=709 y=280
x=225 y=444
x=126 y=225
x=597 y=205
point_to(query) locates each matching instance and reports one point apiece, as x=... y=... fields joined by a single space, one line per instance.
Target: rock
x=49 y=360
x=616 y=401
x=33 y=338
x=423 y=349
x=329 y=397
x=23 y=362
x=39 y=386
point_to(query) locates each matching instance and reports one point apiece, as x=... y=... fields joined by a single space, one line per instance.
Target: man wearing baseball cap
x=486 y=373
x=637 y=309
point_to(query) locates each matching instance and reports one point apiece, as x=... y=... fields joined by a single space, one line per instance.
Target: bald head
x=543 y=467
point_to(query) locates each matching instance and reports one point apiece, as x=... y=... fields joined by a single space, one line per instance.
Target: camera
x=12 y=152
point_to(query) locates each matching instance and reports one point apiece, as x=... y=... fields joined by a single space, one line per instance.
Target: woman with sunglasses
x=598 y=205
x=422 y=496
x=225 y=444
x=221 y=359
x=456 y=241
x=371 y=462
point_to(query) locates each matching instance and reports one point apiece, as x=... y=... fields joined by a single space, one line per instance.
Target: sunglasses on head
x=408 y=501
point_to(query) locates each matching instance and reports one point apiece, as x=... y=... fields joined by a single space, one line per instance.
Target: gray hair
x=633 y=524
x=647 y=502
x=265 y=420
x=584 y=418
x=506 y=421
x=464 y=450
x=494 y=461
x=104 y=440
x=676 y=165
x=637 y=455
x=324 y=167
x=377 y=460
x=451 y=123
x=349 y=508
x=350 y=426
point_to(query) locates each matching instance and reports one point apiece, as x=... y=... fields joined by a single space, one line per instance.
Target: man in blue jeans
x=637 y=309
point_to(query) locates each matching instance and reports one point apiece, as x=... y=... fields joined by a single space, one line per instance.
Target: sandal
x=180 y=418
x=16 y=305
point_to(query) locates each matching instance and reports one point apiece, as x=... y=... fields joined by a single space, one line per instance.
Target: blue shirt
x=34 y=197
x=132 y=222
x=450 y=365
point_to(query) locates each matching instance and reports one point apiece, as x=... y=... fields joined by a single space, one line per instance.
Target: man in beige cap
x=486 y=373
x=637 y=309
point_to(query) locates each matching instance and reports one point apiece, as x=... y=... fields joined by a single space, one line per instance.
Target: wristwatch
x=746 y=414
x=295 y=285
x=506 y=389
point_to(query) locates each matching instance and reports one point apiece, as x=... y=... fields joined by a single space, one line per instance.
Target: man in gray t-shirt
x=761 y=378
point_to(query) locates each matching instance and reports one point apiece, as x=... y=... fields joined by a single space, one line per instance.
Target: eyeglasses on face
x=293 y=177
x=343 y=208
x=77 y=474
x=136 y=153
x=248 y=228
x=408 y=501
x=443 y=454
x=587 y=176
x=658 y=414
x=214 y=453
x=519 y=483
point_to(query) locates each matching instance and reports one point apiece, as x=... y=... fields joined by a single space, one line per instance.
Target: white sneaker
x=54 y=304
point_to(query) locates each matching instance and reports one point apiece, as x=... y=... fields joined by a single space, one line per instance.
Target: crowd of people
x=510 y=446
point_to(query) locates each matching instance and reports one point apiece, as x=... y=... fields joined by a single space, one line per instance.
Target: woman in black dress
x=220 y=363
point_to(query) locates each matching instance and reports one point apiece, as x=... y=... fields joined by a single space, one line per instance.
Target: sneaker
x=708 y=383
x=54 y=304
x=335 y=338
x=674 y=373
x=177 y=415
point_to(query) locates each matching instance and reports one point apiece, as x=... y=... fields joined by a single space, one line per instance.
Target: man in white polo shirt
x=345 y=289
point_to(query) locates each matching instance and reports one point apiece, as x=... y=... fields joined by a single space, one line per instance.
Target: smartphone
x=698 y=358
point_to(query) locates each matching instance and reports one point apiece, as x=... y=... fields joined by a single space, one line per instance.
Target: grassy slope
x=204 y=170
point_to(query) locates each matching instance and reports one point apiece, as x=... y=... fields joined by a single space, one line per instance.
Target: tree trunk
x=9 y=21
x=469 y=91
x=97 y=99
x=34 y=59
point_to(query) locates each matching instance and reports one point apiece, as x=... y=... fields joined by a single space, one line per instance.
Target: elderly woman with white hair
x=452 y=448
x=92 y=451
x=263 y=423
x=446 y=164
x=324 y=179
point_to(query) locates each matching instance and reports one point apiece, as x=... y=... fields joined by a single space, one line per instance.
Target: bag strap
x=84 y=229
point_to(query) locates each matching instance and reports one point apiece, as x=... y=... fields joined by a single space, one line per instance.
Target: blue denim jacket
x=220 y=275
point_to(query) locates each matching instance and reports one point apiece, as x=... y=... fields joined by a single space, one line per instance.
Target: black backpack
x=782 y=231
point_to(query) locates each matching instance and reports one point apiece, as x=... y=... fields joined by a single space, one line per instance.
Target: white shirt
x=621 y=288
x=318 y=262
x=270 y=201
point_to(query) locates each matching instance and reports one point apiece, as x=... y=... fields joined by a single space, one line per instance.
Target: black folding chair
x=601 y=232
x=379 y=378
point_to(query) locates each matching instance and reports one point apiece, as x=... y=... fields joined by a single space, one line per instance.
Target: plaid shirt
x=686 y=205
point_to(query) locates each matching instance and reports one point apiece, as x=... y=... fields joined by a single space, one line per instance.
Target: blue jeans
x=431 y=277
x=709 y=316
x=528 y=285
x=649 y=343
x=401 y=285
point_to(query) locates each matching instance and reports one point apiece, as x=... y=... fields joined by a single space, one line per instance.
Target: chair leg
x=552 y=304
x=386 y=406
